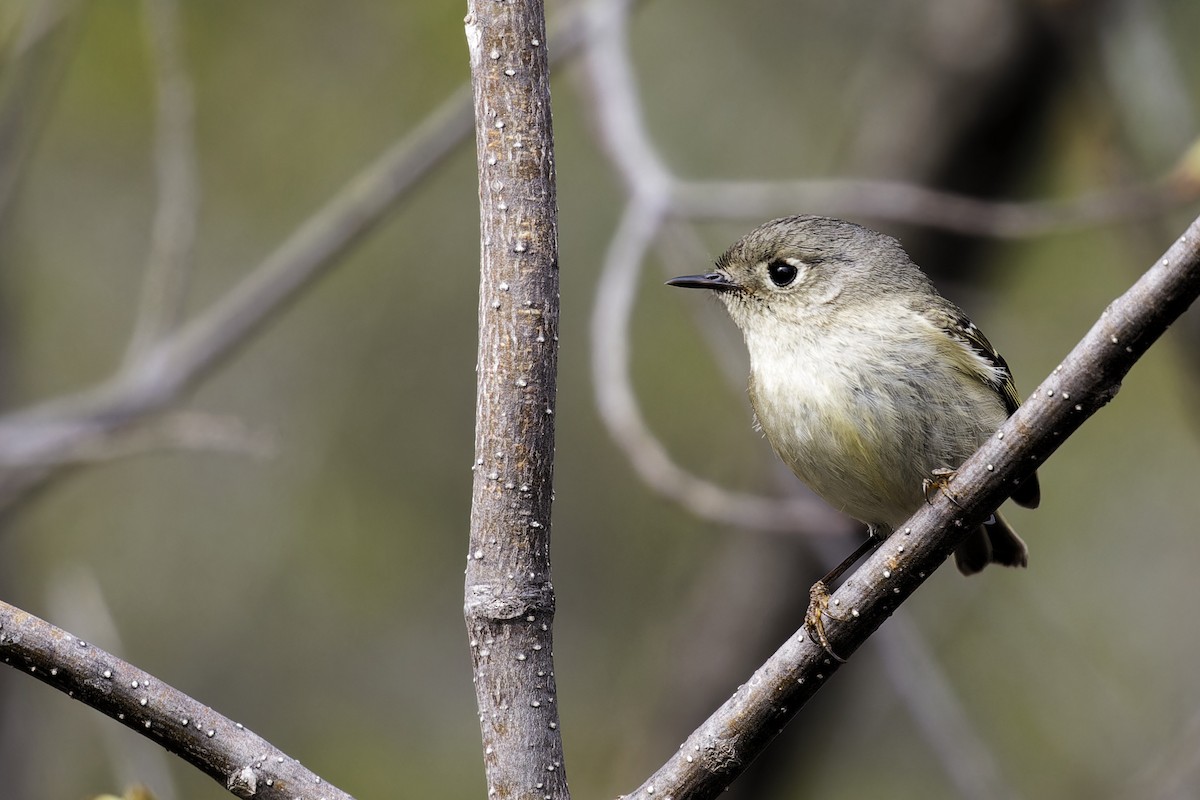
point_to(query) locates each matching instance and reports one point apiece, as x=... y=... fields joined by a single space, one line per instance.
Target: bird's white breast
x=864 y=425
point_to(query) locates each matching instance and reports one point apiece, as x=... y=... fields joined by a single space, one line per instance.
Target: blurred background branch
x=173 y=234
x=34 y=57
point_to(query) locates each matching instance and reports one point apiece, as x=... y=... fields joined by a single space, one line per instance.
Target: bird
x=869 y=384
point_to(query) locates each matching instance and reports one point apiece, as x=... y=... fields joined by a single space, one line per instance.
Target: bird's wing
x=997 y=375
x=960 y=328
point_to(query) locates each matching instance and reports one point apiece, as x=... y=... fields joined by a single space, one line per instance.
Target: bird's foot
x=818 y=608
x=939 y=482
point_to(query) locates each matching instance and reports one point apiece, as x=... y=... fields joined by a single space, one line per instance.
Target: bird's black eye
x=782 y=273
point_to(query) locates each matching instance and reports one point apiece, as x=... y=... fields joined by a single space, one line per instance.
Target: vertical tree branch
x=173 y=236
x=509 y=604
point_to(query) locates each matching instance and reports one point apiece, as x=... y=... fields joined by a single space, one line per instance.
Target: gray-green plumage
x=863 y=378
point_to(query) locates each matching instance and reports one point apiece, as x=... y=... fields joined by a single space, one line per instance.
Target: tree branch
x=618 y=406
x=1087 y=379
x=657 y=196
x=509 y=606
x=242 y=762
x=32 y=64
x=34 y=442
x=173 y=235
x=919 y=205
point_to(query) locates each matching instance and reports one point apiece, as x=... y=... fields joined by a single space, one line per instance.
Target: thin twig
x=32 y=64
x=76 y=597
x=168 y=267
x=679 y=250
x=1173 y=772
x=194 y=431
x=616 y=110
x=905 y=202
x=920 y=684
x=619 y=409
x=612 y=84
x=47 y=434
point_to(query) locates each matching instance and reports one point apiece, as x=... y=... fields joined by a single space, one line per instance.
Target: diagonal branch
x=241 y=761
x=619 y=409
x=36 y=442
x=1087 y=379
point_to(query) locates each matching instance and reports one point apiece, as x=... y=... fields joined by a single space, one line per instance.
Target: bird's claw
x=939 y=482
x=818 y=607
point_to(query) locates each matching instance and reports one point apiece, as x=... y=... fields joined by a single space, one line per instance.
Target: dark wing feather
x=956 y=323
x=953 y=321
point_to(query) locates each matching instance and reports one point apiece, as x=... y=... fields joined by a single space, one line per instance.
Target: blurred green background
x=315 y=593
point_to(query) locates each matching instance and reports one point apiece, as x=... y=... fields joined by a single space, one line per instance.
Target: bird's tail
x=994 y=542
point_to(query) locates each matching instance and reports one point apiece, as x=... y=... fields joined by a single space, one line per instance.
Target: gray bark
x=242 y=761
x=509 y=605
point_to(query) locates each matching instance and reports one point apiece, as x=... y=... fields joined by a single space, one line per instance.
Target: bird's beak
x=716 y=281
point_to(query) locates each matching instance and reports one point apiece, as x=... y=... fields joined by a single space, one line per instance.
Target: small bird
x=869 y=384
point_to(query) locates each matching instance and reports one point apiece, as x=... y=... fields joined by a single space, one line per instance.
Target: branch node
x=243 y=783
x=499 y=602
